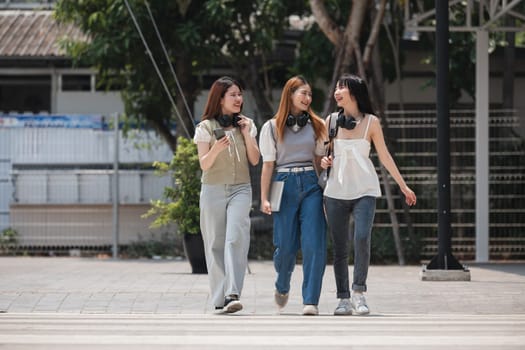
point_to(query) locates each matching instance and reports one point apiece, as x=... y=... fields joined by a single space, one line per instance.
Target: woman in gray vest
x=292 y=144
x=353 y=186
x=226 y=144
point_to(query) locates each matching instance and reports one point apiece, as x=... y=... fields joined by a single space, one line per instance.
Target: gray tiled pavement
x=82 y=303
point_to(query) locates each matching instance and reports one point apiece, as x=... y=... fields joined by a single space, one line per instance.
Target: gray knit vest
x=296 y=148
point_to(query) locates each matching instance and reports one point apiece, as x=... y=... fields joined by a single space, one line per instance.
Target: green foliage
x=383 y=249
x=167 y=246
x=462 y=48
x=462 y=65
x=316 y=52
x=8 y=240
x=180 y=203
x=261 y=245
x=316 y=56
x=198 y=35
x=520 y=39
x=248 y=28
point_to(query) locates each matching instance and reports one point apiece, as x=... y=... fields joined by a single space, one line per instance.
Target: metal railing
x=75 y=210
x=413 y=136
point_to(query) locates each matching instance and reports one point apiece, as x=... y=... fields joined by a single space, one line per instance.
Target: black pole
x=444 y=260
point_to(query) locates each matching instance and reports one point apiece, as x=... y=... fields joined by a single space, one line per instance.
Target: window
x=76 y=82
x=28 y=93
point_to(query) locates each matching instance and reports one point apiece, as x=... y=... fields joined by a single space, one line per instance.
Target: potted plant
x=180 y=203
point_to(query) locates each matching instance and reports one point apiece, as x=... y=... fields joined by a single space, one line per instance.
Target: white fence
x=56 y=184
x=85 y=186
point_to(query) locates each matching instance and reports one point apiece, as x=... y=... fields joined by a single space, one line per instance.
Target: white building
x=56 y=150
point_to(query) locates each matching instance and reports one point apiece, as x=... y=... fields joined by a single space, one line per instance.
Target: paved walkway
x=80 y=303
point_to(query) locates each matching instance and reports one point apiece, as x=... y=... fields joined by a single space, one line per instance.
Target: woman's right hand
x=266 y=207
x=221 y=144
x=326 y=162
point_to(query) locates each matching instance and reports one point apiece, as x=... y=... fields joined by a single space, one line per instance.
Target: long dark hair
x=217 y=91
x=357 y=88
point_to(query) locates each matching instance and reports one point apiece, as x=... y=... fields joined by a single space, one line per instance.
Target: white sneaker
x=310 y=310
x=344 y=308
x=359 y=304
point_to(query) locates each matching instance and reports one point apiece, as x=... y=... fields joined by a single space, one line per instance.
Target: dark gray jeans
x=338 y=213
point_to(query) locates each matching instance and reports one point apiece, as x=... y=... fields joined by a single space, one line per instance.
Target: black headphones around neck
x=300 y=120
x=228 y=120
x=348 y=123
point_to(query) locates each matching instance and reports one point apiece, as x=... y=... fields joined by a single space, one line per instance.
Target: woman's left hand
x=266 y=207
x=326 y=162
x=410 y=196
x=244 y=125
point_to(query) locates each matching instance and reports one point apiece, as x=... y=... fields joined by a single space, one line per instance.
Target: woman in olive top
x=226 y=145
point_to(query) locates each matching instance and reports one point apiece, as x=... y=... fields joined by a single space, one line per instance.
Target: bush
x=169 y=245
x=180 y=203
x=8 y=241
x=383 y=250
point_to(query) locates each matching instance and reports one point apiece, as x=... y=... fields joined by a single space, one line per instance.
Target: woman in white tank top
x=353 y=186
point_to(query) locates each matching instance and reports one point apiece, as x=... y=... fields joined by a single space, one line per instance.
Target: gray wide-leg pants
x=225 y=225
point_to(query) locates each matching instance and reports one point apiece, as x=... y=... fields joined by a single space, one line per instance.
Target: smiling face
x=342 y=95
x=345 y=100
x=231 y=103
x=301 y=99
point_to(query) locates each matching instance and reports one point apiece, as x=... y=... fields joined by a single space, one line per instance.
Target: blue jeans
x=338 y=216
x=300 y=224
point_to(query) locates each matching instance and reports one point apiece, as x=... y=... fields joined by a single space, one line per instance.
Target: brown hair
x=285 y=106
x=217 y=91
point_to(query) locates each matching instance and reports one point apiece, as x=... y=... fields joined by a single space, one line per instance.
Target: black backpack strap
x=332 y=131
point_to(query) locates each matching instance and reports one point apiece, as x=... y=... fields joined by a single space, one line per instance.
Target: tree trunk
x=393 y=216
x=165 y=132
x=348 y=49
x=329 y=28
x=379 y=92
x=394 y=44
x=250 y=77
x=342 y=41
x=184 y=73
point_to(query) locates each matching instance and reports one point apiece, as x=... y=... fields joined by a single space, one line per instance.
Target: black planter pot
x=194 y=250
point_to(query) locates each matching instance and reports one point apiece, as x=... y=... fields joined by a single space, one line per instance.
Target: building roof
x=25 y=34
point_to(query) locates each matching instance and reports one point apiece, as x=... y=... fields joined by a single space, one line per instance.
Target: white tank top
x=353 y=174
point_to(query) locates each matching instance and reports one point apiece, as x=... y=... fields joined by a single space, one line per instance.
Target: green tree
x=198 y=34
x=114 y=48
x=247 y=40
x=462 y=45
x=353 y=30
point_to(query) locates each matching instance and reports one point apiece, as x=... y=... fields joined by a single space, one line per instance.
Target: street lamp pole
x=444 y=261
